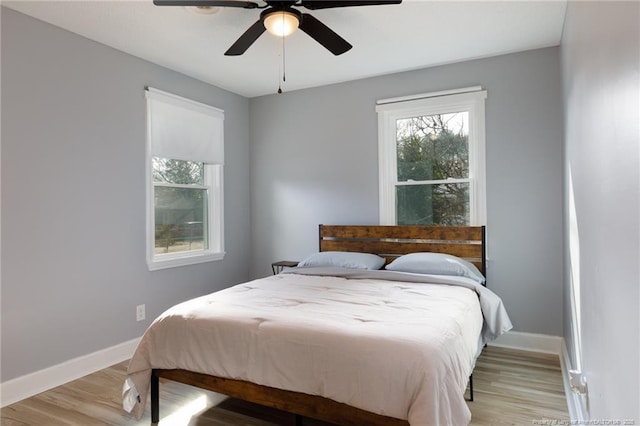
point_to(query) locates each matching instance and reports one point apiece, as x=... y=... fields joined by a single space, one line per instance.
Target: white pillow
x=436 y=264
x=344 y=259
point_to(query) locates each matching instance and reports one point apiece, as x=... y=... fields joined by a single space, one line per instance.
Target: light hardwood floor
x=510 y=388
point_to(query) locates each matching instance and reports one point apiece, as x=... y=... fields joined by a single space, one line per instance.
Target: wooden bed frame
x=467 y=242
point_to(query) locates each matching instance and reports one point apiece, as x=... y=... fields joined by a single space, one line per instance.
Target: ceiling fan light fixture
x=281 y=23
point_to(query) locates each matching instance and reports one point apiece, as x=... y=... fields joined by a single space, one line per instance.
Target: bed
x=338 y=342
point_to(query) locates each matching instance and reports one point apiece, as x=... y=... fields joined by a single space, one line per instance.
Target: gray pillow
x=436 y=264
x=344 y=259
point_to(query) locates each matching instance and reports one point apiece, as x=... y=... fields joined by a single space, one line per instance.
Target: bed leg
x=471 y=387
x=155 y=398
x=299 y=421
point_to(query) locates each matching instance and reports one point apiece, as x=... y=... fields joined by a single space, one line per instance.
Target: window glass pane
x=181 y=219
x=443 y=204
x=433 y=147
x=178 y=171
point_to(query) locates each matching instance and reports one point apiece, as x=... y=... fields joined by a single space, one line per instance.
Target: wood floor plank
x=510 y=388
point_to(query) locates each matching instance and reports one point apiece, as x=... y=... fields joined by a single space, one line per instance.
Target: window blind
x=182 y=129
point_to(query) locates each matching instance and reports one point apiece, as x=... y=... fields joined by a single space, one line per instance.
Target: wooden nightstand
x=277 y=267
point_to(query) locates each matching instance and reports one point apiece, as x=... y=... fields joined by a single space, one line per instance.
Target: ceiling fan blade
x=247 y=39
x=324 y=35
x=207 y=3
x=327 y=4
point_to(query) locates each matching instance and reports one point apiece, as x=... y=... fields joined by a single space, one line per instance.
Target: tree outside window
x=433 y=170
x=180 y=200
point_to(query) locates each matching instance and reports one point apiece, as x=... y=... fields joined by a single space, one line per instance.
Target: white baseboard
x=31 y=384
x=529 y=342
x=576 y=404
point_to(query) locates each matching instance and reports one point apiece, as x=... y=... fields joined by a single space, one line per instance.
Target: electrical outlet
x=140 y=314
x=578 y=382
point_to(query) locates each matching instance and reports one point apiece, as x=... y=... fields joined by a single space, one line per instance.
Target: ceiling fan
x=282 y=18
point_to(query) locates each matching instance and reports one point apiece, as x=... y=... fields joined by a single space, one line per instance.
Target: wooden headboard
x=467 y=242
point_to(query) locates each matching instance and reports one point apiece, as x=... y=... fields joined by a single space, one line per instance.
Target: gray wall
x=73 y=254
x=314 y=160
x=600 y=55
x=73 y=196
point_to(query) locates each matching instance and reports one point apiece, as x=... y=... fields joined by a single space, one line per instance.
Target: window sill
x=174 y=261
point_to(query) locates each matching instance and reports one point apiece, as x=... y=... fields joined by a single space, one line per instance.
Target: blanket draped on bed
x=401 y=345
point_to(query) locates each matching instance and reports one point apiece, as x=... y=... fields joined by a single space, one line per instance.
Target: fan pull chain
x=284 y=53
x=279 y=84
x=284 y=77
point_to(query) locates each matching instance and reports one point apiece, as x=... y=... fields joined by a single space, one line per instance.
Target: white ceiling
x=386 y=39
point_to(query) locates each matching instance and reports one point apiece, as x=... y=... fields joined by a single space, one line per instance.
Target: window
x=185 y=156
x=431 y=159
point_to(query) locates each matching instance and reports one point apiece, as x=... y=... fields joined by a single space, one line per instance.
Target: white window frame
x=389 y=111
x=213 y=183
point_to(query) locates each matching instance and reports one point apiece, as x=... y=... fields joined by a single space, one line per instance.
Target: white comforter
x=399 y=348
